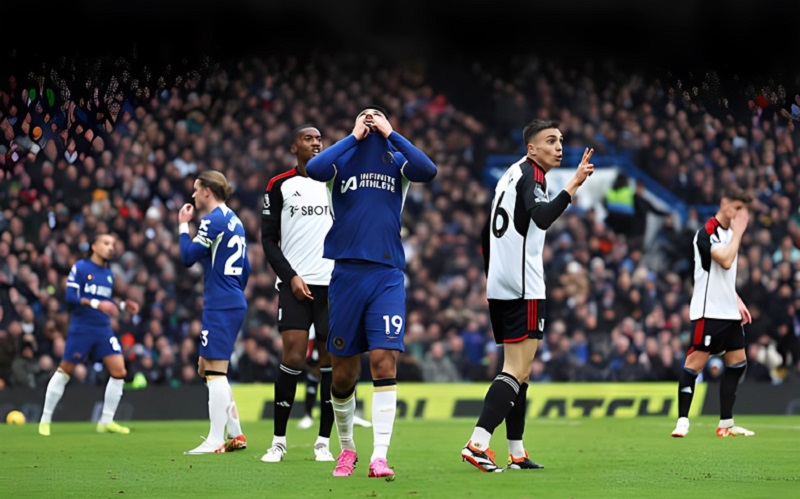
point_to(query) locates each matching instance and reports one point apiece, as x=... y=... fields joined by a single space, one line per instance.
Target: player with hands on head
x=367 y=174
x=220 y=246
x=513 y=242
x=90 y=287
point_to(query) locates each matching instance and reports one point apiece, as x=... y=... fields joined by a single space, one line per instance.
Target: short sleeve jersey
x=226 y=265
x=91 y=281
x=714 y=295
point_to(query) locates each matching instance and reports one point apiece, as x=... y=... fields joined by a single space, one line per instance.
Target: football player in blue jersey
x=90 y=288
x=220 y=246
x=367 y=174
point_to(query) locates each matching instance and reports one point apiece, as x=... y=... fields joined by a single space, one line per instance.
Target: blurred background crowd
x=116 y=148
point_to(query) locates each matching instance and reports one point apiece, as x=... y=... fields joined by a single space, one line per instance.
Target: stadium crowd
x=121 y=156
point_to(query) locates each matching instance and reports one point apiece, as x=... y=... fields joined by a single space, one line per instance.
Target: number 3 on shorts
x=204 y=337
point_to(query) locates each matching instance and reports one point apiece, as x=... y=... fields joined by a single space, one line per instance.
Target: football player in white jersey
x=294 y=221
x=717 y=312
x=513 y=240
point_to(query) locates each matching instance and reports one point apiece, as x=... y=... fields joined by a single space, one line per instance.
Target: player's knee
x=343 y=381
x=293 y=359
x=520 y=373
x=118 y=373
x=383 y=366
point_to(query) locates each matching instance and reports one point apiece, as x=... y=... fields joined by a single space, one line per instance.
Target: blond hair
x=217 y=183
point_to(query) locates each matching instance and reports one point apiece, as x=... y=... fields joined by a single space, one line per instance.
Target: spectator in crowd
x=437 y=367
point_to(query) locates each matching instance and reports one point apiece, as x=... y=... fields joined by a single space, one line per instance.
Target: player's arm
x=746 y=317
x=75 y=281
x=533 y=193
x=246 y=272
x=73 y=292
x=725 y=254
x=322 y=167
x=124 y=304
x=271 y=234
x=485 y=245
x=534 y=196
x=193 y=249
x=418 y=167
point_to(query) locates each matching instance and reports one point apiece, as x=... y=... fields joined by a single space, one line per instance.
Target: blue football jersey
x=367 y=183
x=221 y=247
x=88 y=280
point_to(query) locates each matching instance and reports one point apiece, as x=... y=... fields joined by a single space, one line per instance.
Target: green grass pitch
x=583 y=458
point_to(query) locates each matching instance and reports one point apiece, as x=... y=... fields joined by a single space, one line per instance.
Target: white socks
x=234 y=426
x=343 y=411
x=480 y=438
x=516 y=449
x=55 y=389
x=384 y=407
x=219 y=392
x=111 y=401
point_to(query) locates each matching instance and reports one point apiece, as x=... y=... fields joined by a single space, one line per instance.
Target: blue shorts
x=367 y=308
x=93 y=343
x=220 y=329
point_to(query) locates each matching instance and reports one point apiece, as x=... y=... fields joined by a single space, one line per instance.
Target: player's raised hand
x=740 y=220
x=361 y=129
x=186 y=213
x=132 y=307
x=381 y=124
x=585 y=167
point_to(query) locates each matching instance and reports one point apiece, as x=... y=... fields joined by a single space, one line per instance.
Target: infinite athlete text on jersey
x=371 y=180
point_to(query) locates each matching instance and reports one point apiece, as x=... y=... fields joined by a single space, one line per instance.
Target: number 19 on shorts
x=394 y=324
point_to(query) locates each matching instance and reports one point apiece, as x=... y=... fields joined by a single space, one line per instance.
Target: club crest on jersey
x=109 y=279
x=89 y=277
x=539 y=194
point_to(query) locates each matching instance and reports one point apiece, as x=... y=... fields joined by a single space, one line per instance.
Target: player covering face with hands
x=717 y=312
x=367 y=174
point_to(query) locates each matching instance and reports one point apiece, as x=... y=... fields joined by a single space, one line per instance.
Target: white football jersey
x=714 y=295
x=297 y=208
x=515 y=268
